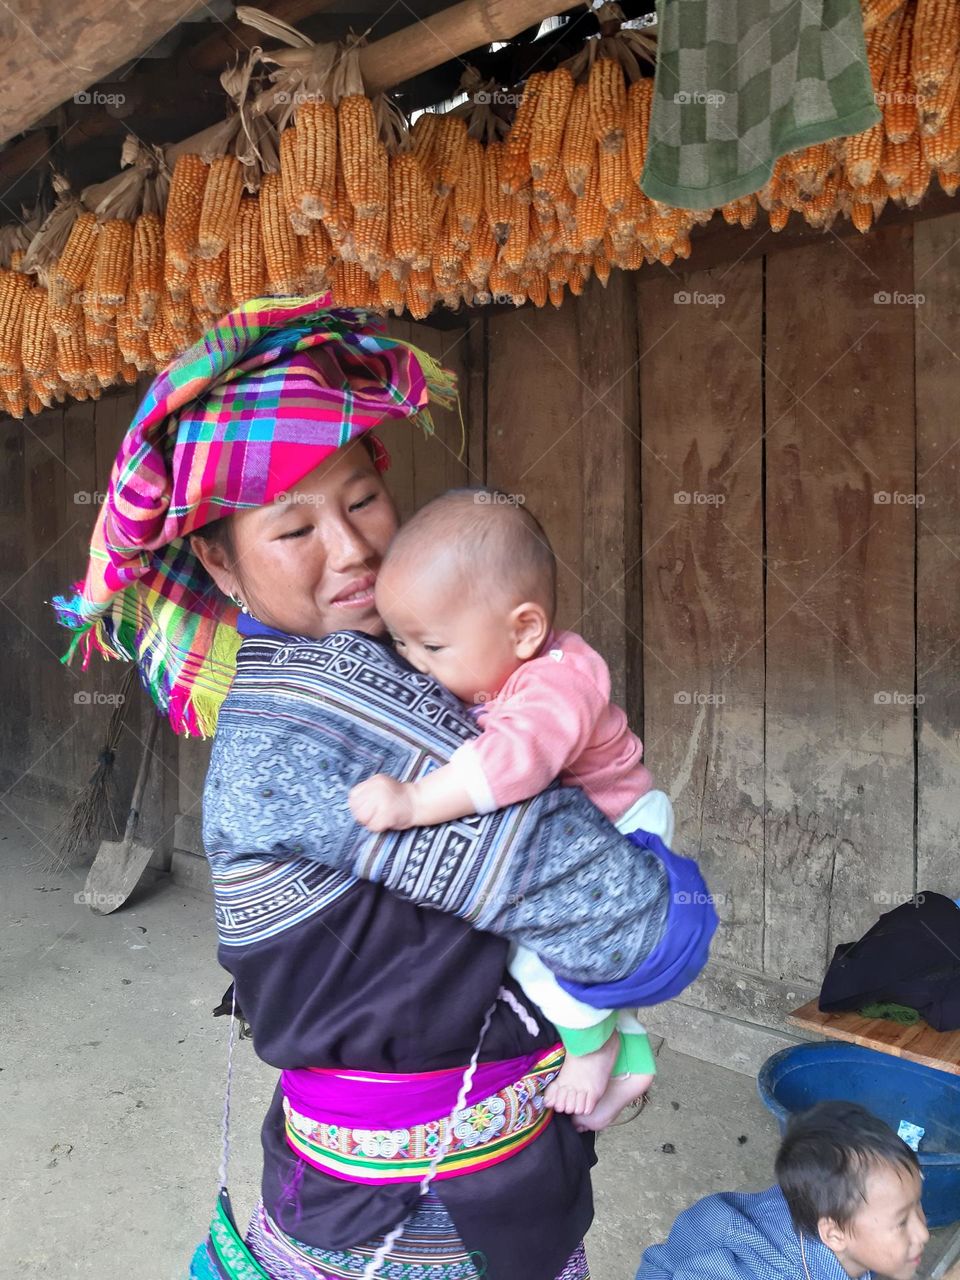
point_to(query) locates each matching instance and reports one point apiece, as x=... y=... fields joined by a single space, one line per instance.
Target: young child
x=846 y=1203
x=467 y=591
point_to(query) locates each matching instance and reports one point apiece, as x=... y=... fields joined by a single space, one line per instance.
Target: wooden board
x=702 y=549
x=840 y=596
x=937 y=279
x=918 y=1043
x=535 y=427
x=612 y=604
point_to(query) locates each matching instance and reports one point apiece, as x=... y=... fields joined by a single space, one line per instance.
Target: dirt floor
x=112 y=1070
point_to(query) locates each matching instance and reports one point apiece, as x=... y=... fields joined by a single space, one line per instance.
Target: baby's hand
x=382 y=804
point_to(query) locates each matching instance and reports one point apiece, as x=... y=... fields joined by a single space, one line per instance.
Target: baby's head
x=852 y=1183
x=468 y=589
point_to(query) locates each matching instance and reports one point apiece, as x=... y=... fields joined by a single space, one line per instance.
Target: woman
x=248 y=473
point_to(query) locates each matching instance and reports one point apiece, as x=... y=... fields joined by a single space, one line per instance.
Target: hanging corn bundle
x=518 y=194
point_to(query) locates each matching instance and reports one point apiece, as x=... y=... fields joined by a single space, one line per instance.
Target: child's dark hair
x=825 y=1157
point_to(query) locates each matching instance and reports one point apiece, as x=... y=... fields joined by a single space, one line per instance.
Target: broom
x=81 y=827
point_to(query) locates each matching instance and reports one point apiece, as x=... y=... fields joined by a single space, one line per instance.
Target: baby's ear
x=529 y=628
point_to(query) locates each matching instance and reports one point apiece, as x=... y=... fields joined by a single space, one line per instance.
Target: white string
x=225 y=1123
x=511 y=1001
x=391 y=1238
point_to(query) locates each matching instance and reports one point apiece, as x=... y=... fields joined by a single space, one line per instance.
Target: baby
x=467 y=591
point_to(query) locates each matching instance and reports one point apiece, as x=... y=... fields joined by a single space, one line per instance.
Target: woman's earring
x=239 y=603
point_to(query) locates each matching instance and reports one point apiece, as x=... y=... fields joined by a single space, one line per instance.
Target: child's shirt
x=554 y=718
x=740 y=1236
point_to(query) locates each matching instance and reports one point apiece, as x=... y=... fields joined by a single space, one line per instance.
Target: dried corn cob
x=449 y=144
x=918 y=176
x=515 y=168
x=408 y=205
x=212 y=275
x=338 y=218
x=221 y=199
x=895 y=163
x=363 y=159
x=317 y=257
x=163 y=345
x=13 y=290
x=105 y=361
x=351 y=286
x=280 y=249
x=637 y=125
x=933 y=112
x=390 y=293
x=577 y=150
x=316 y=156
x=370 y=241
x=38 y=343
x=132 y=339
x=468 y=193
x=945 y=144
x=423 y=138
x=299 y=221
x=146 y=267
x=614 y=178
x=935 y=46
x=591 y=215
x=514 y=252
x=76 y=260
x=949 y=180
x=876 y=12
x=184 y=202
x=608 y=102
x=549 y=122
x=862 y=154
x=778 y=217
x=481 y=254
x=246 y=264
x=880 y=44
x=110 y=276
x=497 y=205
x=73 y=360
x=898 y=93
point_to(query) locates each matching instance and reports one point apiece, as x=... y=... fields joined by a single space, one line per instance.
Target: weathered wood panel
x=612 y=616
x=937 y=279
x=839 y=600
x=535 y=430
x=701 y=411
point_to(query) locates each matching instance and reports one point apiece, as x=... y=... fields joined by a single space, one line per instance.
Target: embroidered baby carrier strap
x=473 y=1137
x=305 y=720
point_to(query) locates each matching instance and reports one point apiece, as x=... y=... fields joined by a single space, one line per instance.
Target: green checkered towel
x=741 y=82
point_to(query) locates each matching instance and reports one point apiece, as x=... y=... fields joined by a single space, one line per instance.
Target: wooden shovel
x=119 y=864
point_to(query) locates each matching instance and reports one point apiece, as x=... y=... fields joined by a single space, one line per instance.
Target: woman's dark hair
x=825 y=1157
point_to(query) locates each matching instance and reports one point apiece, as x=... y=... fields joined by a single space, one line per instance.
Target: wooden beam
x=229 y=39
x=50 y=51
x=431 y=41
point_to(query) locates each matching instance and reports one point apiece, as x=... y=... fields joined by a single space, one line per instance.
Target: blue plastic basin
x=892 y=1089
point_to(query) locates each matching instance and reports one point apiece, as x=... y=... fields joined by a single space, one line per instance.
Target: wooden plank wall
x=750 y=476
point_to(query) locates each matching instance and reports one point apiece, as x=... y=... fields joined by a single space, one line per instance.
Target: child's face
x=469 y=644
x=888 y=1233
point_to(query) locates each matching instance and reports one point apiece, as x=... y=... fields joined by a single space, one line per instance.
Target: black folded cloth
x=911 y=956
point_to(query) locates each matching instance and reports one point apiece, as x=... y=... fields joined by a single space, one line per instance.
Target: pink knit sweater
x=554 y=718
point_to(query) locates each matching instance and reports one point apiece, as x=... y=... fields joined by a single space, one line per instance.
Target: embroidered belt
x=476 y=1137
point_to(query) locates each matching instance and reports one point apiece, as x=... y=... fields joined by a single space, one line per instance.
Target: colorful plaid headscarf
x=235 y=420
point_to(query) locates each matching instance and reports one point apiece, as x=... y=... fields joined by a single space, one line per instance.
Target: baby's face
x=452 y=634
x=888 y=1233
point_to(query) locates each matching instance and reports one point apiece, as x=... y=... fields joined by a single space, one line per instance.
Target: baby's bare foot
x=580 y=1086
x=619 y=1093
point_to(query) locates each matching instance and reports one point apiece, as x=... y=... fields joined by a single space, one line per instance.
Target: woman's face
x=308 y=563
